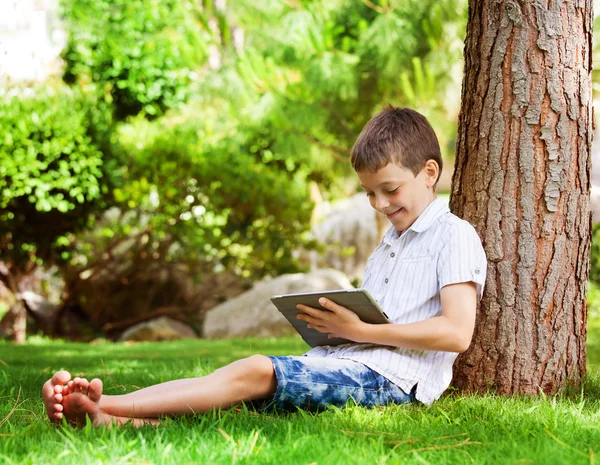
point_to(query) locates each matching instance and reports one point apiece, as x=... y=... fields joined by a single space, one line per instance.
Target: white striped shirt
x=405 y=274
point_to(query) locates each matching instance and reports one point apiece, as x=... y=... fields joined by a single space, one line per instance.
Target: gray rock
x=350 y=231
x=253 y=313
x=39 y=306
x=159 y=329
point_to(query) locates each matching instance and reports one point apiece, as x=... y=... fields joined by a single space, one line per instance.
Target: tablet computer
x=357 y=300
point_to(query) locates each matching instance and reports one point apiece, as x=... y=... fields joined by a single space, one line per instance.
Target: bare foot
x=52 y=392
x=81 y=400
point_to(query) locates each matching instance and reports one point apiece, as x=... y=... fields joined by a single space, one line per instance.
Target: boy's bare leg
x=248 y=379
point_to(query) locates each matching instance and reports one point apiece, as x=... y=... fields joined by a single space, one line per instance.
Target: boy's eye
x=393 y=191
x=370 y=194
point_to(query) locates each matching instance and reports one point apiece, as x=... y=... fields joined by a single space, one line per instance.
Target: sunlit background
x=193 y=148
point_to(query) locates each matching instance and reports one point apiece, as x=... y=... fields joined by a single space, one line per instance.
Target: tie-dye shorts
x=313 y=383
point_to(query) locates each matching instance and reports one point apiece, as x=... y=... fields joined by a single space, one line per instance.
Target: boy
x=428 y=274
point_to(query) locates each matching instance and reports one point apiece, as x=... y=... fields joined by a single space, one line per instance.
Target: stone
x=42 y=309
x=253 y=313
x=158 y=329
x=349 y=231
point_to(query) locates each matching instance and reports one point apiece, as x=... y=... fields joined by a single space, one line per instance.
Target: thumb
x=329 y=305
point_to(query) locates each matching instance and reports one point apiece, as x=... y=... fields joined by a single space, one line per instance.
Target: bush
x=212 y=199
x=142 y=55
x=52 y=174
x=192 y=214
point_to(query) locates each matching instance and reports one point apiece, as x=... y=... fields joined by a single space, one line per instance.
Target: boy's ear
x=432 y=172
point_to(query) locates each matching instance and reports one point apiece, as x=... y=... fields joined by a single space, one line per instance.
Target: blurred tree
x=318 y=72
x=52 y=177
x=141 y=55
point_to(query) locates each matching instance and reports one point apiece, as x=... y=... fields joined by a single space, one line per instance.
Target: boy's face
x=399 y=194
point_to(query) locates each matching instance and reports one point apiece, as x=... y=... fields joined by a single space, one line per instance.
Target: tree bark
x=522 y=178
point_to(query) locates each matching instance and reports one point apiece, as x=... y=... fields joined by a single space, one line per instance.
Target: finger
x=313 y=311
x=320 y=328
x=330 y=305
x=309 y=319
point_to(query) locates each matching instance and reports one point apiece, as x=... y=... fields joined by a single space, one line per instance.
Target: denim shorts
x=313 y=383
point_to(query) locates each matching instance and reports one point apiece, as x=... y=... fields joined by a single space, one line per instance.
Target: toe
x=58 y=408
x=58 y=398
x=61 y=377
x=83 y=386
x=56 y=379
x=95 y=390
x=59 y=389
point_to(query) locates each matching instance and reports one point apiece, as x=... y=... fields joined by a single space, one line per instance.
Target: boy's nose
x=381 y=202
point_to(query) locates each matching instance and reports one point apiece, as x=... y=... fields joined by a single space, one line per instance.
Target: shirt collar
x=425 y=220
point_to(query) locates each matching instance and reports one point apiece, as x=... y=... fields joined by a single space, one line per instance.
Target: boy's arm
x=449 y=332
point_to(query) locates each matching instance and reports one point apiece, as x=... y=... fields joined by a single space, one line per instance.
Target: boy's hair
x=396 y=135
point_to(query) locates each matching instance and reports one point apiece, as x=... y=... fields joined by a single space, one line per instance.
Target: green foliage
x=596 y=56
x=52 y=174
x=141 y=55
x=323 y=68
x=217 y=201
x=593 y=301
x=595 y=254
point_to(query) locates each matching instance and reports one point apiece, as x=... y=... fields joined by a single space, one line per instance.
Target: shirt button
x=477 y=270
x=387 y=280
x=392 y=255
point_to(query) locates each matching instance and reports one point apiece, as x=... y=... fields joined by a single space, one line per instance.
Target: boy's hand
x=336 y=321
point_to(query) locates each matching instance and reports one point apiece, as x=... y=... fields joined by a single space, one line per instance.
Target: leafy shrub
x=192 y=211
x=142 y=55
x=211 y=198
x=52 y=174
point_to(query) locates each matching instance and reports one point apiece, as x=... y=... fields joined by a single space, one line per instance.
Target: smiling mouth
x=390 y=215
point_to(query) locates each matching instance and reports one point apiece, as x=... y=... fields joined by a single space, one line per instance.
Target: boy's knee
x=258 y=375
x=260 y=366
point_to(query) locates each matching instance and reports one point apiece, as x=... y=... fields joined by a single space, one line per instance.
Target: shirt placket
x=393 y=253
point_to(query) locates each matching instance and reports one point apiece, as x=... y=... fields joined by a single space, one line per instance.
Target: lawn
x=455 y=430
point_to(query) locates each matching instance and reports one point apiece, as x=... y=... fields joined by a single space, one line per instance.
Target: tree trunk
x=14 y=322
x=522 y=179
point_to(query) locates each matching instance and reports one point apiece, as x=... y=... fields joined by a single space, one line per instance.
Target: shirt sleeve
x=462 y=259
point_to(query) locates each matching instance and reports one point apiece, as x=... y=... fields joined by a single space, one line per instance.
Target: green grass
x=455 y=430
